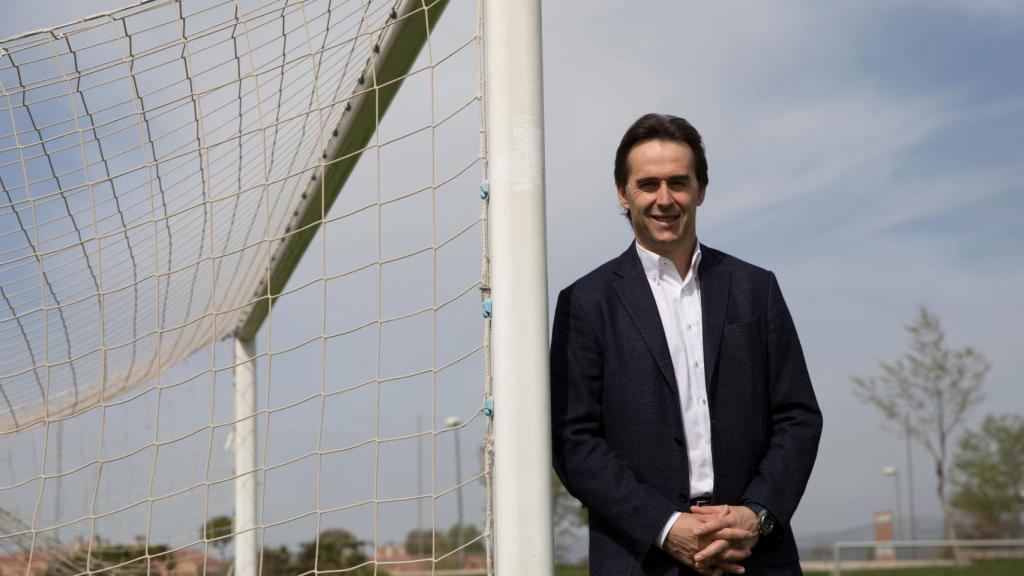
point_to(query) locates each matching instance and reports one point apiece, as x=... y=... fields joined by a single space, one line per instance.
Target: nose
x=664 y=197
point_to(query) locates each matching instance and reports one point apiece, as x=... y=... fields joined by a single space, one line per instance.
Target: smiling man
x=683 y=416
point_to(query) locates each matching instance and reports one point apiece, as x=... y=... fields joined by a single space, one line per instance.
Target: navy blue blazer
x=617 y=432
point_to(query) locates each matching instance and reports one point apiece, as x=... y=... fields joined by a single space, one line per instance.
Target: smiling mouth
x=665 y=217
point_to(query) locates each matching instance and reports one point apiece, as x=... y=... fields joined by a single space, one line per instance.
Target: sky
x=866 y=152
x=331 y=380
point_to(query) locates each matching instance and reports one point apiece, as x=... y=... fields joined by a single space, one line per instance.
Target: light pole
x=456 y=423
x=910 y=481
x=419 y=484
x=892 y=471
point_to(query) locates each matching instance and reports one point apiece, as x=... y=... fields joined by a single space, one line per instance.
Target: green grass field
x=980 y=568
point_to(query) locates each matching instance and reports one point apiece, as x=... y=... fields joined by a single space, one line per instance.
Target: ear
x=623 y=201
x=700 y=195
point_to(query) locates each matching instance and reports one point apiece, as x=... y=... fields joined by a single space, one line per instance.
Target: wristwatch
x=765 y=521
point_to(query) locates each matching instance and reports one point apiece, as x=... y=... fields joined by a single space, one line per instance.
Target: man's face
x=662 y=195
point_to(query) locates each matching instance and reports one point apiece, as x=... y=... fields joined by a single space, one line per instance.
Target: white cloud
x=802 y=130
x=1002 y=12
x=819 y=145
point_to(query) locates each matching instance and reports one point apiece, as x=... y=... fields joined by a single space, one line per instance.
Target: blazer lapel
x=635 y=293
x=714 y=299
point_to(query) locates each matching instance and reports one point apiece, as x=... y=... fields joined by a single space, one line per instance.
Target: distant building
x=185 y=562
x=16 y=564
x=394 y=559
x=883 y=533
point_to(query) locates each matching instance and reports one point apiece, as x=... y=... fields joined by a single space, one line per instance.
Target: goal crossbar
x=385 y=71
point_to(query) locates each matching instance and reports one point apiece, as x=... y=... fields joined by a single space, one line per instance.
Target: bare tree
x=928 y=392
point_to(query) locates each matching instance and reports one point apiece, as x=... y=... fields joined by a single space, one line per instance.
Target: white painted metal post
x=519 y=329
x=246 y=555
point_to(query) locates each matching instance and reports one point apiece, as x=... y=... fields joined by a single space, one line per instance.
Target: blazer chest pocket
x=746 y=334
x=741 y=381
x=743 y=350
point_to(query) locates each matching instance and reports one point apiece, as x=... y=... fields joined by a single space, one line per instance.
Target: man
x=683 y=416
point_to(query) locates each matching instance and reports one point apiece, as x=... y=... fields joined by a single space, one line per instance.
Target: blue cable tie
x=488 y=406
x=485 y=190
x=487 y=307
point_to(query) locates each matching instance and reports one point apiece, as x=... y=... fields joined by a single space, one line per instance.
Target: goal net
x=243 y=311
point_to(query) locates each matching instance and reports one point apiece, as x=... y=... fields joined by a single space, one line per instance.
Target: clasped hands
x=712 y=539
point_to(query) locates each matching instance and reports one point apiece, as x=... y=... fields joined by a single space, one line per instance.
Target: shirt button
x=696 y=364
x=704 y=401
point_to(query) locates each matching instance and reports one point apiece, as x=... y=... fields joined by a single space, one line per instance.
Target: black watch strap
x=765 y=520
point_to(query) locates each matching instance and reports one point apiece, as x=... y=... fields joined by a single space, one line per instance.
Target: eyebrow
x=674 y=177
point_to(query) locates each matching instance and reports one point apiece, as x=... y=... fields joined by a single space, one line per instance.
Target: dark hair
x=661 y=127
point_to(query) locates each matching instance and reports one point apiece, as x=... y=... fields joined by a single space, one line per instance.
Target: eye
x=678 y=184
x=648 y=185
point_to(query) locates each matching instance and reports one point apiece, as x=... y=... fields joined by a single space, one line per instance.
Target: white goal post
x=515 y=143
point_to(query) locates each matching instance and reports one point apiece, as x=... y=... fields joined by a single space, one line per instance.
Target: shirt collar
x=656 y=266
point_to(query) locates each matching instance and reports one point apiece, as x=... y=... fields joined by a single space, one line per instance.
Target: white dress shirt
x=678 y=301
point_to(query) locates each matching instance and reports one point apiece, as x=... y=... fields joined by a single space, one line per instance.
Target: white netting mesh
x=156 y=163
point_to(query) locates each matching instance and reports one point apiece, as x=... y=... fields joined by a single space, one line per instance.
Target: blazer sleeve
x=795 y=419
x=587 y=466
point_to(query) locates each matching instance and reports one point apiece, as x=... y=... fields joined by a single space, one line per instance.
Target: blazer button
x=679 y=440
x=684 y=497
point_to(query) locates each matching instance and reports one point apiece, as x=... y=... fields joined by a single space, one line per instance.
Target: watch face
x=767 y=524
